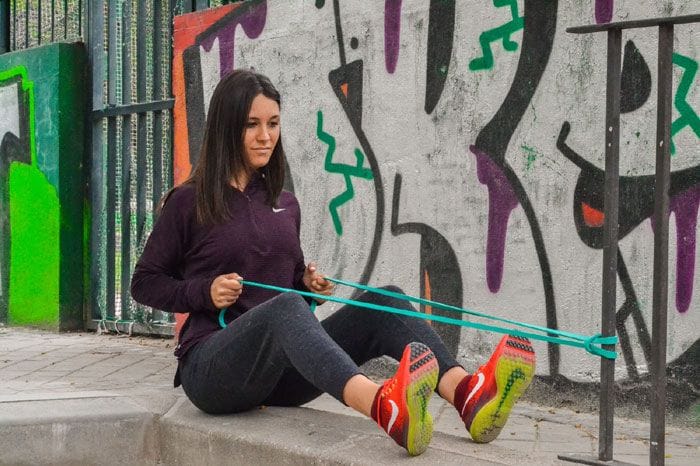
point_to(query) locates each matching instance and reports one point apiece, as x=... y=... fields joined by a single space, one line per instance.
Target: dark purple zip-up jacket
x=181 y=257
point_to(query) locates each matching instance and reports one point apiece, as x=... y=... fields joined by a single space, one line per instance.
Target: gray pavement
x=108 y=399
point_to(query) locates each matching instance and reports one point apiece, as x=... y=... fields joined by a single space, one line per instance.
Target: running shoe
x=484 y=399
x=401 y=404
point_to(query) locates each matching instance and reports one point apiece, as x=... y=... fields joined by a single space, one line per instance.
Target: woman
x=231 y=220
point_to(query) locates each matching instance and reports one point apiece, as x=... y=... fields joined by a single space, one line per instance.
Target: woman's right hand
x=225 y=290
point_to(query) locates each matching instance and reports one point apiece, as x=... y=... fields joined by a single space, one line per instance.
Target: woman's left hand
x=317 y=283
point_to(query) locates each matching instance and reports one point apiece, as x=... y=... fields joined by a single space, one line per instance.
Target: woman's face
x=262 y=131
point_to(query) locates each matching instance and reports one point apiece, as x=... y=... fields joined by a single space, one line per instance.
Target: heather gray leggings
x=279 y=354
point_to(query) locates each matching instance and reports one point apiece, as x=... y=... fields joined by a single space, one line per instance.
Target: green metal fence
x=129 y=44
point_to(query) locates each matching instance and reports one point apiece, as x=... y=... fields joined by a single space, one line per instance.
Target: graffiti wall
x=457 y=149
x=42 y=189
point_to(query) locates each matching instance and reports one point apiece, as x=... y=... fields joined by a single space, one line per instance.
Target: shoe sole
x=514 y=371
x=423 y=375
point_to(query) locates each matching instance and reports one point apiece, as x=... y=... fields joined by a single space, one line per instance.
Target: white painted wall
x=298 y=48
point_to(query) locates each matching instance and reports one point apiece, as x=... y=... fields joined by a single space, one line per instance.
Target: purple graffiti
x=502 y=201
x=685 y=209
x=392 y=30
x=252 y=22
x=603 y=11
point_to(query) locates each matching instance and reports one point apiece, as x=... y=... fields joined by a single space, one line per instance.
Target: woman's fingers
x=225 y=290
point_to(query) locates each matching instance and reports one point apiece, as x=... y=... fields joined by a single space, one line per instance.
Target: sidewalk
x=106 y=399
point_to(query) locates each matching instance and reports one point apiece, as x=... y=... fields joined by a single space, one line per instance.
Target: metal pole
x=661 y=205
x=95 y=43
x=4 y=26
x=610 y=236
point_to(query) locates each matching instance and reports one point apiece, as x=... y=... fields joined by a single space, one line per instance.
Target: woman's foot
x=484 y=399
x=401 y=404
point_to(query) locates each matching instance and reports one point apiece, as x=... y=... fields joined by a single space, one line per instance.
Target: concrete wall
x=456 y=149
x=42 y=189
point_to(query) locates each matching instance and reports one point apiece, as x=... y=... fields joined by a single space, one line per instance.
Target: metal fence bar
x=657 y=419
x=157 y=94
x=65 y=17
x=26 y=24
x=141 y=118
x=95 y=50
x=38 y=22
x=125 y=179
x=661 y=206
x=14 y=24
x=111 y=164
x=4 y=27
x=610 y=235
x=53 y=20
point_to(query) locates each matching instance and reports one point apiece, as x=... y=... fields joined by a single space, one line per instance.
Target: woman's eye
x=274 y=124
x=251 y=124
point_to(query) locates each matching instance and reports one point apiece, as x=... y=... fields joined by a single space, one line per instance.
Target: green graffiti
x=346 y=170
x=33 y=214
x=531 y=155
x=502 y=33
x=34 y=252
x=688 y=116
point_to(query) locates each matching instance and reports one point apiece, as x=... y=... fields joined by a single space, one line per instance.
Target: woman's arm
x=156 y=281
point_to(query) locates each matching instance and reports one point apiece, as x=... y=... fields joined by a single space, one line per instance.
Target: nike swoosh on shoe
x=476 y=388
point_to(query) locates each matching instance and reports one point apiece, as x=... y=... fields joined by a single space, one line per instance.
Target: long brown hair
x=221 y=156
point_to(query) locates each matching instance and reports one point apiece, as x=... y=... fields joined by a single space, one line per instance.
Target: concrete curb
x=73 y=431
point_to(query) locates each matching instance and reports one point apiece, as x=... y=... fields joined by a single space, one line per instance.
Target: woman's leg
x=365 y=334
x=484 y=400
x=238 y=367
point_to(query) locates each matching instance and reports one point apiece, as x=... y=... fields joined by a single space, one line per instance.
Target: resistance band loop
x=592 y=344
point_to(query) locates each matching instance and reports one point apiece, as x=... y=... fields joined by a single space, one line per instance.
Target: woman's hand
x=225 y=290
x=317 y=283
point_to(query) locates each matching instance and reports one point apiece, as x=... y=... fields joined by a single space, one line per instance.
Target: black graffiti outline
x=356 y=124
x=452 y=279
x=441 y=25
x=631 y=187
x=493 y=139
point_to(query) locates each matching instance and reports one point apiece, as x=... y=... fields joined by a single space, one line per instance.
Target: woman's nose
x=263 y=133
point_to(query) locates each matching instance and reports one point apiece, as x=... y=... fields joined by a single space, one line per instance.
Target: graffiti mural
x=41 y=201
x=440 y=146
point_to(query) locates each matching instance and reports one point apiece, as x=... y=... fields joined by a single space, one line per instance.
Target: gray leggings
x=279 y=354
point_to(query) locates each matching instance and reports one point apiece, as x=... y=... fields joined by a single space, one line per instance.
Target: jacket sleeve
x=300 y=266
x=157 y=280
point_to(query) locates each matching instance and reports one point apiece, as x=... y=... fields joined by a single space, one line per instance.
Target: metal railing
x=661 y=219
x=130 y=48
x=130 y=52
x=25 y=23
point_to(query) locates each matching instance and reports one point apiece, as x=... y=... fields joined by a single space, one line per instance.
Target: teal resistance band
x=592 y=344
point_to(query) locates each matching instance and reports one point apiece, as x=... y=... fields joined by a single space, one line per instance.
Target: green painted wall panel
x=42 y=186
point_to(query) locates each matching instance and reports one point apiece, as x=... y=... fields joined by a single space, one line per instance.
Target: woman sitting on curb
x=231 y=219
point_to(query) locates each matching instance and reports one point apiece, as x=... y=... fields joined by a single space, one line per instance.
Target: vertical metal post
x=65 y=19
x=108 y=181
x=661 y=206
x=95 y=49
x=26 y=25
x=125 y=246
x=38 y=22
x=157 y=94
x=53 y=20
x=4 y=26
x=141 y=121
x=610 y=236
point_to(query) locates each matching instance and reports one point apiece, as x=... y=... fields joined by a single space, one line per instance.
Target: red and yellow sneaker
x=401 y=404
x=484 y=399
